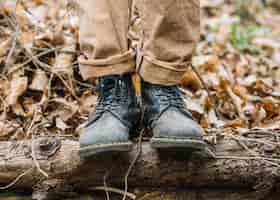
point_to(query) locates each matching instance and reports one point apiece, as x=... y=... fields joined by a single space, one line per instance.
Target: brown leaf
x=5 y=46
x=207 y=63
x=63 y=109
x=18 y=86
x=61 y=124
x=191 y=81
x=262 y=88
x=214 y=120
x=18 y=110
x=270 y=105
x=88 y=102
x=6 y=129
x=63 y=62
x=40 y=81
x=30 y=107
x=237 y=123
x=194 y=106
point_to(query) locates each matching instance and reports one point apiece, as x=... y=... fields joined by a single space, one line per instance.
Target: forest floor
x=233 y=88
x=42 y=92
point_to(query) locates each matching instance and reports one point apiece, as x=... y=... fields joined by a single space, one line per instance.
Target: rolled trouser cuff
x=115 y=65
x=162 y=73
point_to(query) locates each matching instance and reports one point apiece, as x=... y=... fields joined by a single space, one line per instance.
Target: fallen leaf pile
x=238 y=61
x=41 y=90
x=235 y=80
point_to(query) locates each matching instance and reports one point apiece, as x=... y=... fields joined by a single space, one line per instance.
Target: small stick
x=105 y=185
x=114 y=190
x=201 y=80
x=33 y=154
x=11 y=52
x=35 y=159
x=16 y=180
x=4 y=106
x=213 y=155
x=204 y=86
x=139 y=151
x=30 y=59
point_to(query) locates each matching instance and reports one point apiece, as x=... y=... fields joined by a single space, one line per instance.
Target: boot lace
x=170 y=96
x=111 y=96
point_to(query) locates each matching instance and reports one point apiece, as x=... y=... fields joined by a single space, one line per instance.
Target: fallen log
x=200 y=194
x=22 y=164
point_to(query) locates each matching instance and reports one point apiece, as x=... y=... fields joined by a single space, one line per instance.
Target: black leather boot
x=117 y=113
x=166 y=115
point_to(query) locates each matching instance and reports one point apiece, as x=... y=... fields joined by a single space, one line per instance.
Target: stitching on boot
x=178 y=140
x=106 y=145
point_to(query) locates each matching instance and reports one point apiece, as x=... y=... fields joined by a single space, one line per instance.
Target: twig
x=255 y=140
x=213 y=155
x=267 y=132
x=9 y=20
x=249 y=158
x=252 y=152
x=16 y=180
x=37 y=62
x=114 y=190
x=16 y=27
x=4 y=106
x=33 y=155
x=201 y=80
x=139 y=151
x=71 y=90
x=236 y=102
x=90 y=86
x=11 y=52
x=105 y=185
x=30 y=59
x=204 y=86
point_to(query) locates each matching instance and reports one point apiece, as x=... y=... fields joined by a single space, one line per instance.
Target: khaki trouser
x=171 y=29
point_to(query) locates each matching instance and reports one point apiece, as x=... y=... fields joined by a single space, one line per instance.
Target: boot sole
x=92 y=150
x=189 y=144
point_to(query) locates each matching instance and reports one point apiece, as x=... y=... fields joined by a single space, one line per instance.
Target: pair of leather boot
x=118 y=114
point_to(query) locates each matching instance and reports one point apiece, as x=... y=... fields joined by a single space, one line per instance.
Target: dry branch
x=60 y=160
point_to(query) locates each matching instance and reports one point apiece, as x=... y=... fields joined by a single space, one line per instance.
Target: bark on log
x=203 y=194
x=60 y=160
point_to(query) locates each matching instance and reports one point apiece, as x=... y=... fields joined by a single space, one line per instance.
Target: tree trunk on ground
x=60 y=160
x=202 y=194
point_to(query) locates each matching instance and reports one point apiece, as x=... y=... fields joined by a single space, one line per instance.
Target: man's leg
x=171 y=31
x=103 y=38
x=106 y=55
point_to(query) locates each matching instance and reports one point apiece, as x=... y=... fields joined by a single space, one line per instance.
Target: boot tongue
x=108 y=82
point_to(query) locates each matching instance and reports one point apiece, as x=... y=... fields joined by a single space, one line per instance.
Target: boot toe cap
x=174 y=124
x=106 y=130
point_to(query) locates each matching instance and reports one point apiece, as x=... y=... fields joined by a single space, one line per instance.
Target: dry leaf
x=237 y=123
x=208 y=62
x=18 y=110
x=270 y=105
x=63 y=62
x=194 y=106
x=214 y=120
x=5 y=46
x=40 y=81
x=18 y=86
x=191 y=81
x=64 y=109
x=61 y=124
x=88 y=102
x=6 y=129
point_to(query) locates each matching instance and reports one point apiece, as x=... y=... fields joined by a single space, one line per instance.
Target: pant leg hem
x=162 y=73
x=116 y=65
